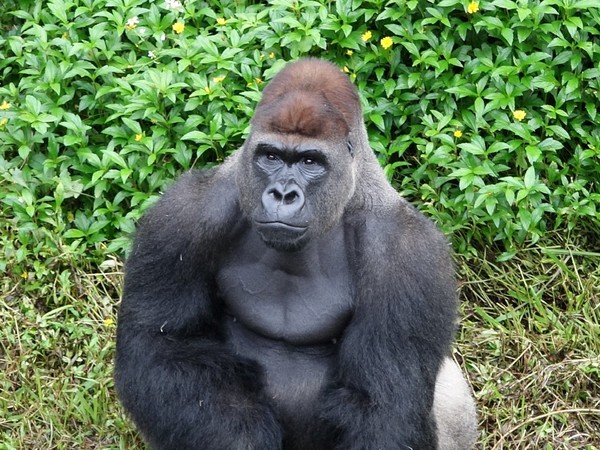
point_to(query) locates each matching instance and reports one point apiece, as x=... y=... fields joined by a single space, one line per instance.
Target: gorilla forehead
x=305 y=113
x=311 y=98
x=315 y=75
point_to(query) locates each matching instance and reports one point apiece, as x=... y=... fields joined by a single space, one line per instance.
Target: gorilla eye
x=309 y=161
x=271 y=156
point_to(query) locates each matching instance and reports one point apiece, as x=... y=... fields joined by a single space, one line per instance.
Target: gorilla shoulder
x=200 y=209
x=394 y=235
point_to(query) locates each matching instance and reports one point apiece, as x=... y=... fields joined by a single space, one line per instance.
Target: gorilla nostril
x=290 y=197
x=276 y=195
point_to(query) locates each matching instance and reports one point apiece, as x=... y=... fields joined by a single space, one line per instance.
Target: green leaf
x=509 y=194
x=479 y=106
x=58 y=8
x=533 y=153
x=550 y=144
x=466 y=181
x=506 y=4
x=132 y=125
x=71 y=139
x=473 y=148
x=560 y=131
x=525 y=218
x=115 y=158
x=74 y=233
x=592 y=109
x=461 y=172
x=377 y=119
x=24 y=151
x=508 y=35
x=412 y=48
x=523 y=13
x=447 y=3
x=529 y=178
x=33 y=105
x=585 y=4
x=195 y=135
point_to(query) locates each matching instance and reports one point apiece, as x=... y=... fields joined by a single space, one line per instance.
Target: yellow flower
x=109 y=321
x=386 y=42
x=65 y=35
x=221 y=21
x=271 y=55
x=207 y=89
x=366 y=36
x=24 y=275
x=473 y=7
x=345 y=69
x=5 y=105
x=349 y=52
x=457 y=133
x=519 y=114
x=259 y=81
x=138 y=137
x=3 y=122
x=218 y=79
x=178 y=27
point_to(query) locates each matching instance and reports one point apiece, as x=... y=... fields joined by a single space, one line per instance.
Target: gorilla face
x=292 y=188
x=289 y=176
x=297 y=171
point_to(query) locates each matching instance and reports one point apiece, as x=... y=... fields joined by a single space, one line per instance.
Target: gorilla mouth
x=283 y=225
x=281 y=235
x=276 y=227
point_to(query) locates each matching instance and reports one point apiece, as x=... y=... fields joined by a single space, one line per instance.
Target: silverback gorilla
x=290 y=298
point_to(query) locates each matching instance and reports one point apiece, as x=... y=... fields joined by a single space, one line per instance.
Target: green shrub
x=483 y=114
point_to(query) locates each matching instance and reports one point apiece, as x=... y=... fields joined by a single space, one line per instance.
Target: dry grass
x=56 y=351
x=529 y=343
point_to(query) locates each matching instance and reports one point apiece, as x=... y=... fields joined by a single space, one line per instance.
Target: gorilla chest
x=299 y=309
x=285 y=311
x=300 y=298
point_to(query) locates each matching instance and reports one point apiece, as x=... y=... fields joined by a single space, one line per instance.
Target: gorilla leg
x=454 y=409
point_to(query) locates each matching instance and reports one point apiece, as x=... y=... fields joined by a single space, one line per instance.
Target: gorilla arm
x=400 y=333
x=180 y=384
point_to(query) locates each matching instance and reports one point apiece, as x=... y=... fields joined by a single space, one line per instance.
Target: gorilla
x=290 y=298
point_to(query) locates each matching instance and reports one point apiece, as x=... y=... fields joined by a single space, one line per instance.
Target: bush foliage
x=486 y=114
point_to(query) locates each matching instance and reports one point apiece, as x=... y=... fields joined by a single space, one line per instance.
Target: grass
x=531 y=346
x=57 y=345
x=529 y=343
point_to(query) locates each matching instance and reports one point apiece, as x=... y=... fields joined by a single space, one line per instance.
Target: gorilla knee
x=454 y=409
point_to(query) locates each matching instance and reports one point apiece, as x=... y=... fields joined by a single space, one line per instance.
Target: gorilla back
x=290 y=298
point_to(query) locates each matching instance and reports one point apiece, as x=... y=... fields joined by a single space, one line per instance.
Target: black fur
x=191 y=378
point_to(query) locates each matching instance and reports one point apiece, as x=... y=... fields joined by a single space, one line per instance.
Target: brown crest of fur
x=309 y=97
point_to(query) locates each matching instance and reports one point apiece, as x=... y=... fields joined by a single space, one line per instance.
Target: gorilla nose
x=287 y=197
x=283 y=201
